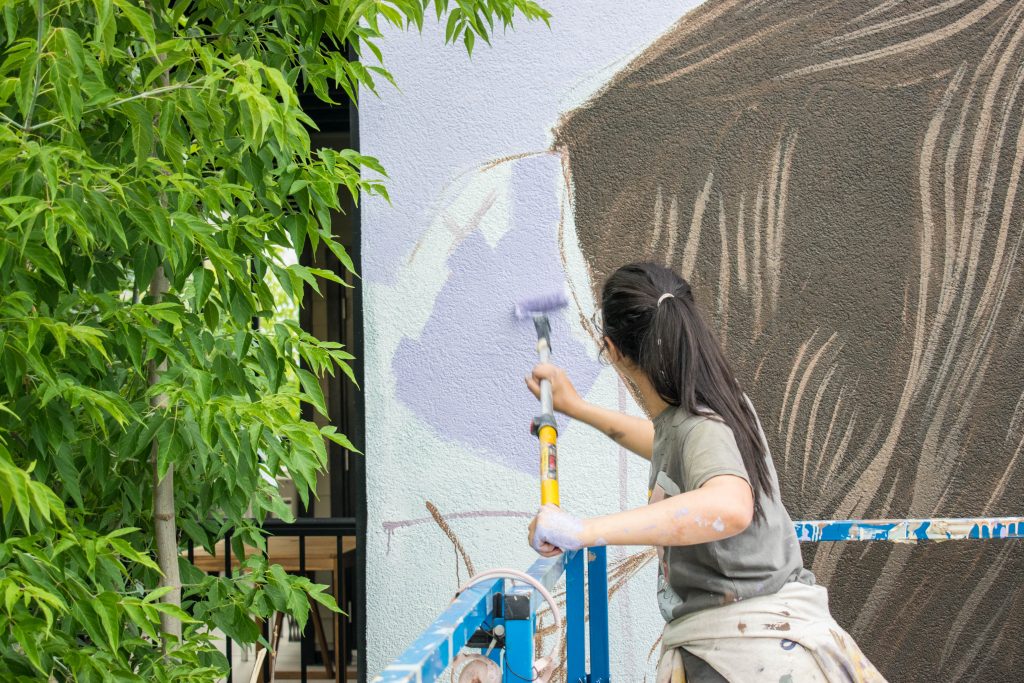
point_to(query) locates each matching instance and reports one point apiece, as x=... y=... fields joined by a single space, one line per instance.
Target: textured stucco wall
x=839 y=180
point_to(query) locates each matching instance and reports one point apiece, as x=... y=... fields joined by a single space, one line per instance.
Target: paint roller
x=544 y=426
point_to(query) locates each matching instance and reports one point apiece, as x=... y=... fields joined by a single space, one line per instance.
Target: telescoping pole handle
x=546 y=400
x=544 y=426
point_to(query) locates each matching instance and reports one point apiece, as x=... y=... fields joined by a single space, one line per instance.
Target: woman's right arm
x=634 y=433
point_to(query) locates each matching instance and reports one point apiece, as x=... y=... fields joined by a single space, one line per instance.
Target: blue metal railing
x=481 y=606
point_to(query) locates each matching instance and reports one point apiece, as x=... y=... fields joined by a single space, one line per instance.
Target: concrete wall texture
x=841 y=183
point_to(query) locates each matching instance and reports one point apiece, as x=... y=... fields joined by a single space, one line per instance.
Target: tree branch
x=37 y=80
x=116 y=103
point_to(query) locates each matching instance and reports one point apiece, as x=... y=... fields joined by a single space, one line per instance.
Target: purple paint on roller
x=545 y=303
x=464 y=374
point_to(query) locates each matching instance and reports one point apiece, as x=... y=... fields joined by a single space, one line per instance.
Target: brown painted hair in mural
x=841 y=181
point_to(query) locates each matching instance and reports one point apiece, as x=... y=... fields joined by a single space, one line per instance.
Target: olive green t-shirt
x=688 y=451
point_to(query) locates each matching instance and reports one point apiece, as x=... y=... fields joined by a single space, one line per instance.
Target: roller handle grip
x=546 y=400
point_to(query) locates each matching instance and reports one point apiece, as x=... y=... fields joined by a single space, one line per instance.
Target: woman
x=739 y=604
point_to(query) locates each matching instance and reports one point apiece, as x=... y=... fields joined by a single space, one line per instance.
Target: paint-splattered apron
x=789 y=637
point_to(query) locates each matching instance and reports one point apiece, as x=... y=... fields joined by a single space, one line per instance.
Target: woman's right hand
x=563 y=393
x=634 y=433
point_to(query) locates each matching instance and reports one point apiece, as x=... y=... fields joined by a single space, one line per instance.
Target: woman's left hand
x=554 y=530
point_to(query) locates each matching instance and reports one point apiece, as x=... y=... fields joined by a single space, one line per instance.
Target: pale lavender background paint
x=473 y=345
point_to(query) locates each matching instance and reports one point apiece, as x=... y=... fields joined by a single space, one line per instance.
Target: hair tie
x=664 y=296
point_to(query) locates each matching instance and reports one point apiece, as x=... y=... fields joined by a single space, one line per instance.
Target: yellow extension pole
x=548 y=436
x=544 y=426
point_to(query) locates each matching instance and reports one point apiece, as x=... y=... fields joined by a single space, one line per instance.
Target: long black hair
x=680 y=353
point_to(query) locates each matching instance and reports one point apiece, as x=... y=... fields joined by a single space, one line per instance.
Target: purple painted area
x=465 y=374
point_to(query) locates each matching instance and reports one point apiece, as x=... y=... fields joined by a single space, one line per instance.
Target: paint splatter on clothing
x=688 y=451
x=787 y=637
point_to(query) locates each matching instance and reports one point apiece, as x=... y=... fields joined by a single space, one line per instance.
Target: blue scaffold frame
x=586 y=600
x=475 y=609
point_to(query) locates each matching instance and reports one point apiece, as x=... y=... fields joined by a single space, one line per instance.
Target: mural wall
x=840 y=181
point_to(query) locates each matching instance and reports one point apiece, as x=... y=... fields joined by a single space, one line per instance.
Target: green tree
x=154 y=160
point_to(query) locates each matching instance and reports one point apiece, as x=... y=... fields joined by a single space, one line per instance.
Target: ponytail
x=650 y=315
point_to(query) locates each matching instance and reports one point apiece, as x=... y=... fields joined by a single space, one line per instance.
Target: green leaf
x=139 y=19
x=141 y=126
x=454 y=26
x=339 y=251
x=90 y=336
x=69 y=475
x=203 y=280
x=140 y=619
x=156 y=594
x=132 y=340
x=317 y=593
x=176 y=612
x=237 y=624
x=280 y=509
x=27 y=638
x=313 y=392
x=338 y=438
x=106 y=607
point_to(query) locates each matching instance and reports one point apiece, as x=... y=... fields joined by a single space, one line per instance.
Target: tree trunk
x=164 y=523
x=165 y=526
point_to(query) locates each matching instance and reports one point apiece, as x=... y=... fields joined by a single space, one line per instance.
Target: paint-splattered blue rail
x=438 y=646
x=910 y=530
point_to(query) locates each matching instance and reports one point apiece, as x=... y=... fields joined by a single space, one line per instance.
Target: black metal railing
x=337 y=558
